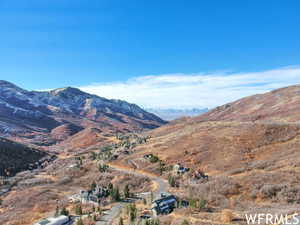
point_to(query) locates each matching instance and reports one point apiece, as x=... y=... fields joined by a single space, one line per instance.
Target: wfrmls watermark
x=268 y=218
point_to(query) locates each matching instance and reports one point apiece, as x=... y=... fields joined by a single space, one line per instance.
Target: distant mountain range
x=171 y=114
x=49 y=117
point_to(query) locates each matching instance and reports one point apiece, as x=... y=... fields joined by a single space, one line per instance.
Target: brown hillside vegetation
x=249 y=149
x=15 y=157
x=250 y=154
x=278 y=105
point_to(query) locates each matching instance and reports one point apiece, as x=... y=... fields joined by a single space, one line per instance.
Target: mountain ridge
x=36 y=113
x=169 y=114
x=277 y=105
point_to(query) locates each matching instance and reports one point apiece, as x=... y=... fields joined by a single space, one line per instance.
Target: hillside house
x=179 y=169
x=164 y=205
x=61 y=220
x=199 y=175
x=148 y=156
x=94 y=195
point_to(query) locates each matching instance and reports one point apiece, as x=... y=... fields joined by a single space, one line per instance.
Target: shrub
x=79 y=222
x=132 y=212
x=115 y=194
x=64 y=212
x=172 y=181
x=106 y=148
x=126 y=191
x=202 y=203
x=93 y=156
x=121 y=221
x=185 y=222
x=152 y=222
x=193 y=203
x=93 y=185
x=227 y=216
x=103 y=168
x=154 y=159
x=227 y=186
x=290 y=194
x=269 y=191
x=78 y=210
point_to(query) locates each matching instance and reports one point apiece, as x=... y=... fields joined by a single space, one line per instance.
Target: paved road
x=162 y=185
x=110 y=215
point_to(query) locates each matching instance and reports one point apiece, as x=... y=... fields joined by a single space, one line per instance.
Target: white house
x=60 y=220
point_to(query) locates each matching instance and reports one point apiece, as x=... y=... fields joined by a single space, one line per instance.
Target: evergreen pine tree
x=121 y=222
x=126 y=191
x=56 y=212
x=78 y=210
x=79 y=222
x=64 y=212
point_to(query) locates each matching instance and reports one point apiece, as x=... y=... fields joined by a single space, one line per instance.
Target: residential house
x=164 y=205
x=60 y=220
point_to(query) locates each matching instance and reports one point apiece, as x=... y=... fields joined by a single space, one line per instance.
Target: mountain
x=172 y=114
x=248 y=148
x=47 y=117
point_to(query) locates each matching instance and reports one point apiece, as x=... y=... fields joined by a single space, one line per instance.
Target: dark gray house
x=164 y=205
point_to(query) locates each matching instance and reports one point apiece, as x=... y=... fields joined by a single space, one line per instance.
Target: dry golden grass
x=227 y=216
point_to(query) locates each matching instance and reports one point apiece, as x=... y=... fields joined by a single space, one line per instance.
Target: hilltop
x=280 y=105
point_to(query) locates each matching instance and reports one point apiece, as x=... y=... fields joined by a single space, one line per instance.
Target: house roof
x=168 y=198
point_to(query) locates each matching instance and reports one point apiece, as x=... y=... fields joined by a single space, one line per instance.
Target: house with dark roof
x=164 y=205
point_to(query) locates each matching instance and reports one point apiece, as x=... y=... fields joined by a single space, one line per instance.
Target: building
x=179 y=169
x=94 y=195
x=199 y=175
x=60 y=220
x=164 y=205
x=148 y=156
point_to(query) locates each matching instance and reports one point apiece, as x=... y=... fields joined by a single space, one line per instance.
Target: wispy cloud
x=195 y=90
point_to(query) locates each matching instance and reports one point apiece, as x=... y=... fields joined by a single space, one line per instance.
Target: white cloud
x=195 y=90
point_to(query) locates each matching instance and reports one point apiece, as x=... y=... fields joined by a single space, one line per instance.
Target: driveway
x=110 y=215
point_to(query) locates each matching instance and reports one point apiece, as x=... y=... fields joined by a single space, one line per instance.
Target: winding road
x=161 y=186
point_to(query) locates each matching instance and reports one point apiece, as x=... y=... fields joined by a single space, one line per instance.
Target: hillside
x=278 y=105
x=249 y=149
x=16 y=157
x=46 y=118
x=253 y=166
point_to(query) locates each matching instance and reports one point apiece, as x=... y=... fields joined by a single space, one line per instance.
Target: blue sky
x=55 y=43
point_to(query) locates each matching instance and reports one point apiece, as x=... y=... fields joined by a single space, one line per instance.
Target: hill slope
x=15 y=157
x=278 y=105
x=249 y=149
